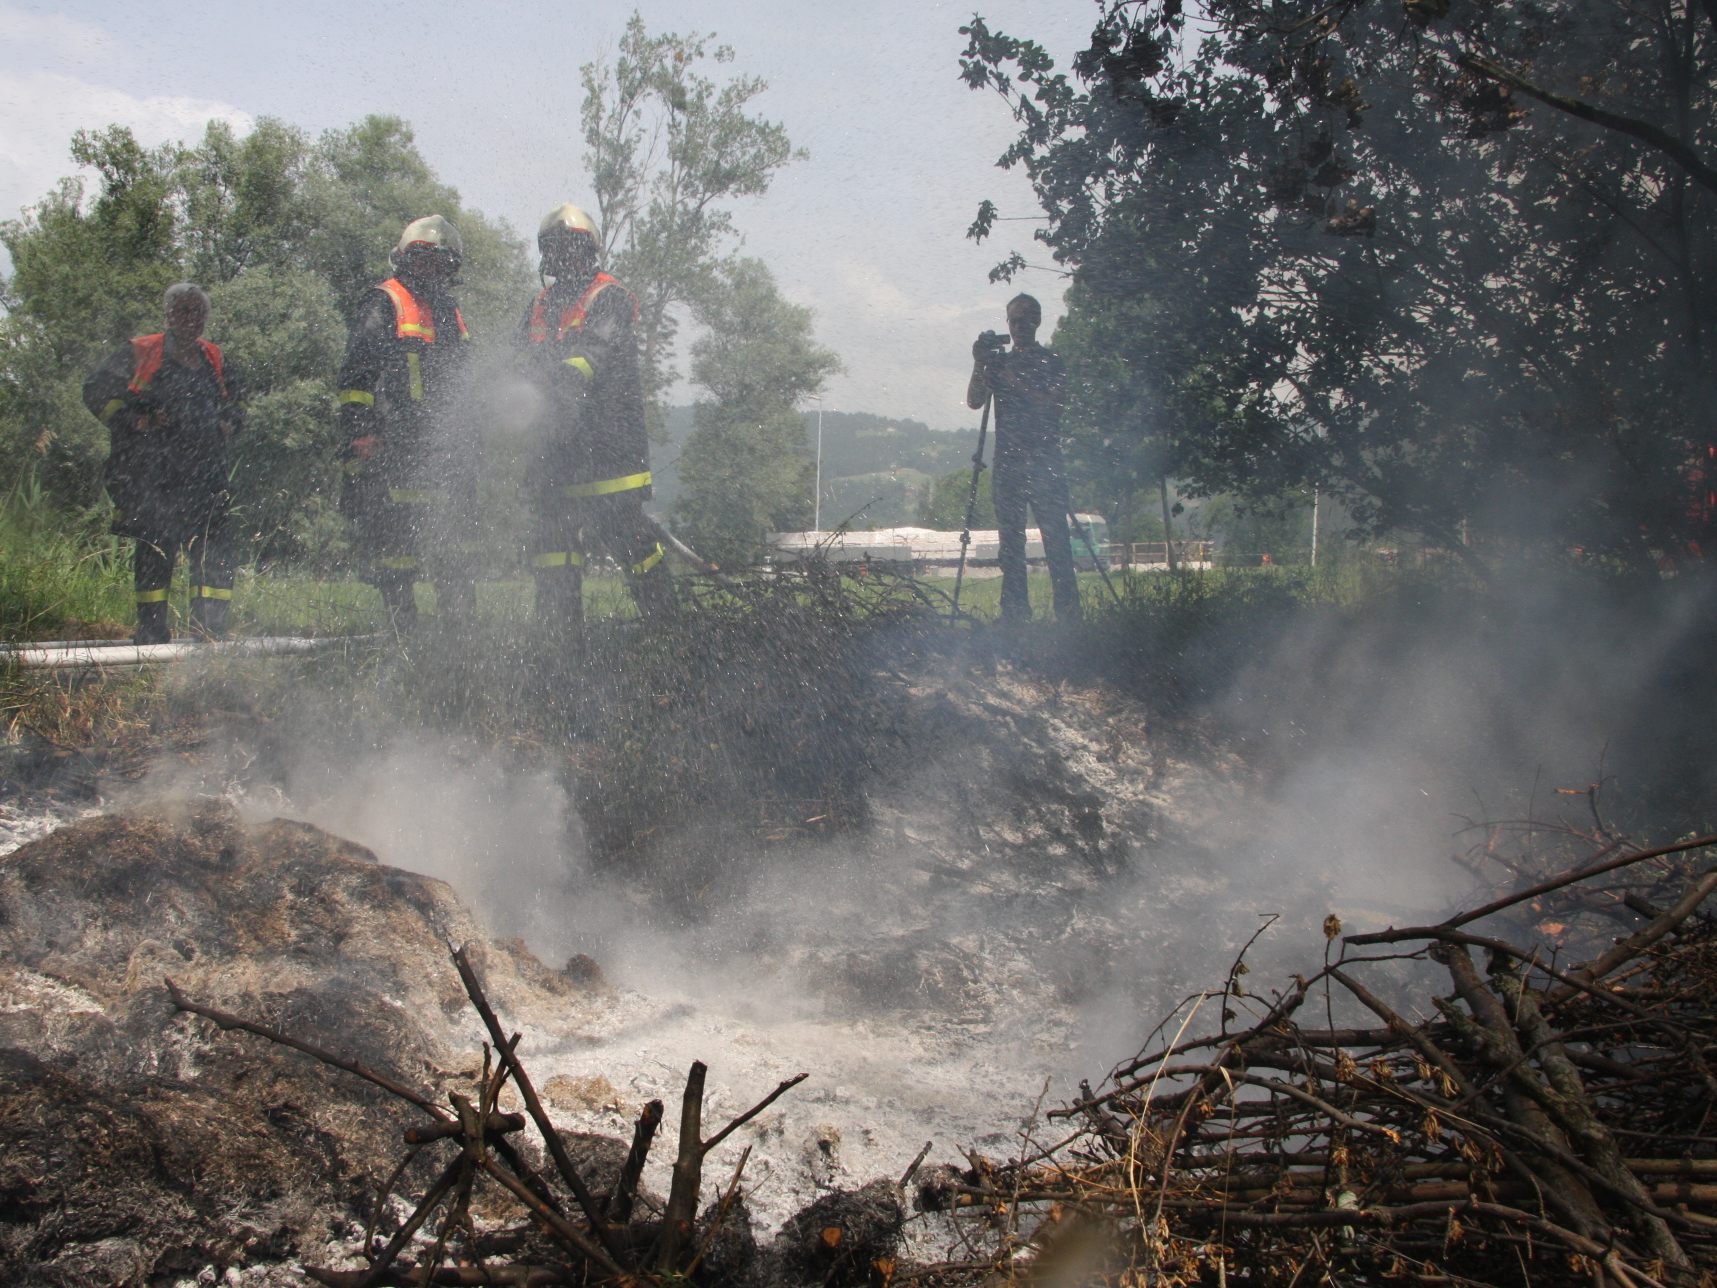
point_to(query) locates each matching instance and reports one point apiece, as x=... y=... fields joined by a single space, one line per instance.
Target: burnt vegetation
x=1542 y=1112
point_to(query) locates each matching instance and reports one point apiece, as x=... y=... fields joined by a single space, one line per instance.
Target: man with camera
x=1027 y=384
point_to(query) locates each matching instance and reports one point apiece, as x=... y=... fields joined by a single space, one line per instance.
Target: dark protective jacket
x=168 y=480
x=1027 y=388
x=579 y=345
x=1027 y=384
x=405 y=358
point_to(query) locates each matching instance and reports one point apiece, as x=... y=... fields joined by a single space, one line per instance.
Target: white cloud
x=55 y=36
x=44 y=109
x=907 y=347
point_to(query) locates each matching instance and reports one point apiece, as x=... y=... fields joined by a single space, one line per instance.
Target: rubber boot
x=209 y=618
x=399 y=602
x=152 y=627
x=456 y=602
x=560 y=603
x=654 y=594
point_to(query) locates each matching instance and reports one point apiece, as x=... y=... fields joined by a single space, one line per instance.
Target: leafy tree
x=85 y=276
x=1321 y=246
x=747 y=469
x=284 y=474
x=945 y=507
x=667 y=147
x=244 y=200
x=286 y=233
x=366 y=184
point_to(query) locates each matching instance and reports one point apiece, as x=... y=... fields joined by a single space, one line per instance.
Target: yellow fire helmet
x=567 y=218
x=431 y=232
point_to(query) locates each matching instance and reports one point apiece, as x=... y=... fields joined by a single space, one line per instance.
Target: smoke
x=983 y=940
x=447 y=808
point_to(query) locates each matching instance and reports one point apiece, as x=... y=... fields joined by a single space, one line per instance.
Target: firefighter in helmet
x=587 y=494
x=410 y=486
x=171 y=403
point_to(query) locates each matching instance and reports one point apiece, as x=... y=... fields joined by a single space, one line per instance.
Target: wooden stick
x=229 y=1021
x=910 y=1172
x=402 y=1236
x=556 y=1147
x=752 y=1112
x=554 y=1222
x=721 y=1211
x=688 y=1171
x=1393 y=935
x=498 y=1122
x=626 y=1189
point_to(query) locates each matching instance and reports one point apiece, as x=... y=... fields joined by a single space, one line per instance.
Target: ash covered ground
x=1044 y=868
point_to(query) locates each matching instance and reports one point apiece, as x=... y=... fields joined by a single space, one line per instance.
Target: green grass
x=285 y=603
x=1345 y=584
x=55 y=582
x=58 y=582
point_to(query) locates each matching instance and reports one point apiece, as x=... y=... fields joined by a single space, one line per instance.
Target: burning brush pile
x=1437 y=1104
x=1529 y=1103
x=558 y=1224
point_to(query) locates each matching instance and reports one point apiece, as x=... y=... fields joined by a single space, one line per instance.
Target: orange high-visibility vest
x=148 y=351
x=411 y=320
x=573 y=316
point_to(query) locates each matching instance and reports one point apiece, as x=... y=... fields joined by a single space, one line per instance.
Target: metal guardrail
x=1152 y=554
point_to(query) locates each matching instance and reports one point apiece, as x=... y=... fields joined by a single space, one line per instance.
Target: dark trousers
x=1032 y=475
x=209 y=554
x=613 y=525
x=407 y=532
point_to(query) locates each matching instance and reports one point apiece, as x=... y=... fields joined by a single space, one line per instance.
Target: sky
x=869 y=232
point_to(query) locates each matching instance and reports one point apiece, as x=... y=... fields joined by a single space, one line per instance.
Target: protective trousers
x=209 y=555
x=1032 y=475
x=412 y=533
x=612 y=524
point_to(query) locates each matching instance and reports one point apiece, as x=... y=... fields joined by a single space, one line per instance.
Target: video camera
x=989 y=347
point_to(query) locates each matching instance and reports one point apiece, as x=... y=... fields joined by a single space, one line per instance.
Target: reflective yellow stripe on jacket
x=558 y=559
x=604 y=487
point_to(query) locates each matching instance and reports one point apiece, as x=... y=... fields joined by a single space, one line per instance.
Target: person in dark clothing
x=1027 y=385
x=172 y=403
x=592 y=474
x=410 y=486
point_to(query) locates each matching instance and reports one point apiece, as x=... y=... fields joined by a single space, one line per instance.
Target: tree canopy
x=285 y=232
x=668 y=148
x=746 y=469
x=1453 y=264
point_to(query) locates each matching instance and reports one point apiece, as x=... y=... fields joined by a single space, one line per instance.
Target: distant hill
x=875 y=469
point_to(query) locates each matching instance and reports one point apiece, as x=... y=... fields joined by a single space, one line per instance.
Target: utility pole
x=1168 y=522
x=1316 y=493
x=817 y=498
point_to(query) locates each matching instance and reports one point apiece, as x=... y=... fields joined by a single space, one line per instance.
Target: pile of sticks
x=1464 y=1109
x=570 y=1235
x=761 y=707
